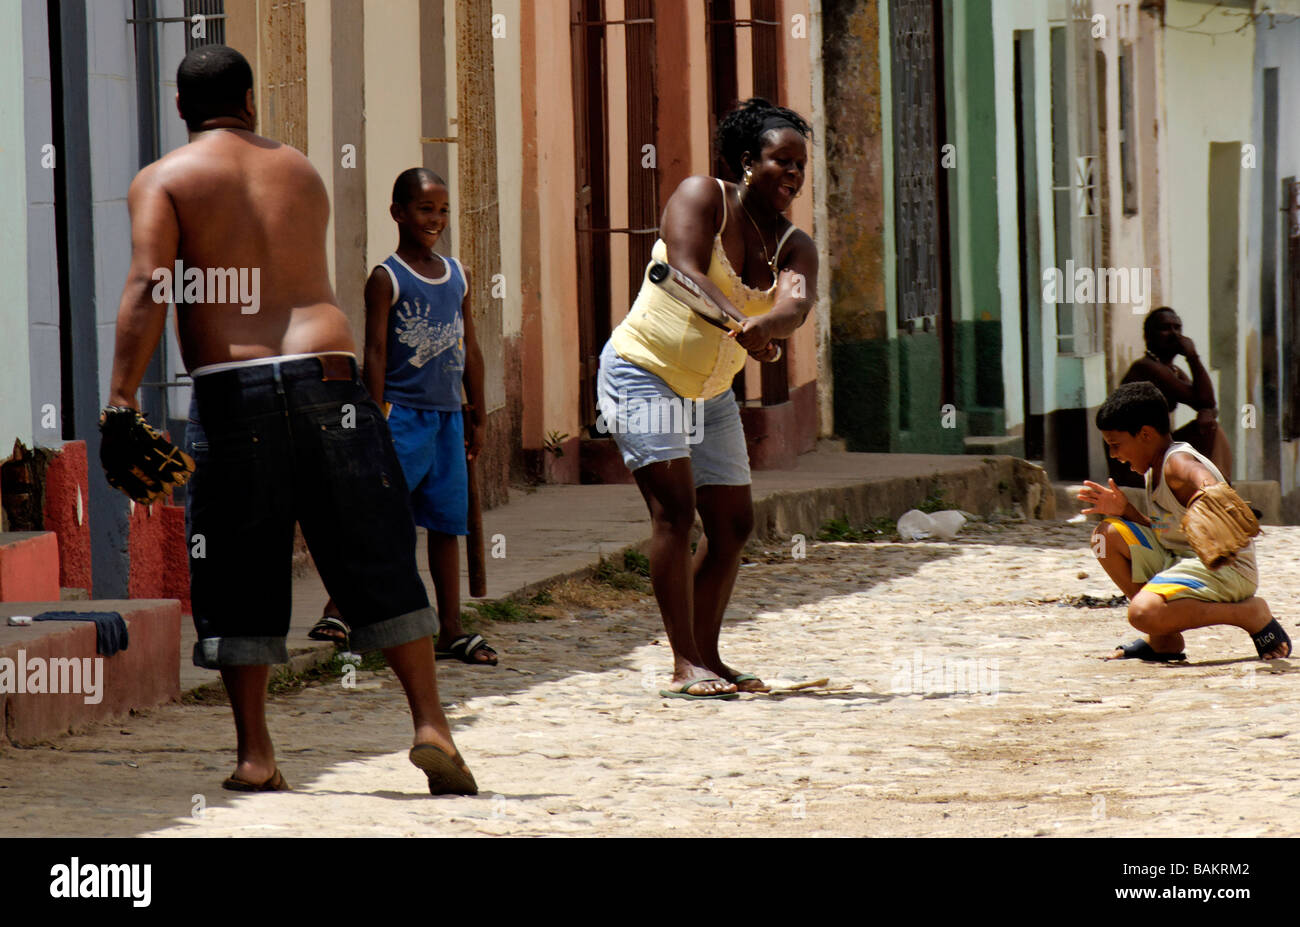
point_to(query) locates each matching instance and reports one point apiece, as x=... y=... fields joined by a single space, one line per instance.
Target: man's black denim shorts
x=287 y=441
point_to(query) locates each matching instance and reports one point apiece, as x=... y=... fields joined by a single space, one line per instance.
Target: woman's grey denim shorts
x=650 y=423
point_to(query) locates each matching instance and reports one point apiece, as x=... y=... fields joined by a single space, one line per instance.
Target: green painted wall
x=888 y=385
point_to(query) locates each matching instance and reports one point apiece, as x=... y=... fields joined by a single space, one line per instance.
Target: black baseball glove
x=137 y=459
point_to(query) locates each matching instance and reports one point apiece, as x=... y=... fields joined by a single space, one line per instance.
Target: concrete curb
x=998 y=484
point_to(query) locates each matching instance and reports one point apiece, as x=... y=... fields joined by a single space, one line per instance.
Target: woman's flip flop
x=712 y=696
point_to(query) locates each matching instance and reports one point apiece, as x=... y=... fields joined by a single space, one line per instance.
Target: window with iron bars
x=213 y=23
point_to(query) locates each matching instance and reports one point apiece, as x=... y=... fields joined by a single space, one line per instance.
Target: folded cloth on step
x=110 y=628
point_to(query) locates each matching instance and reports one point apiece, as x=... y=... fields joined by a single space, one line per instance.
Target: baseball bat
x=686 y=291
x=474 y=558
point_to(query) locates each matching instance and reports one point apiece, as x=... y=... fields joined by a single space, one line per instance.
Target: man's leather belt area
x=335 y=367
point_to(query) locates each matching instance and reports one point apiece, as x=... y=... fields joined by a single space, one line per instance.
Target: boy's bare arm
x=1185 y=475
x=155 y=237
x=379 y=299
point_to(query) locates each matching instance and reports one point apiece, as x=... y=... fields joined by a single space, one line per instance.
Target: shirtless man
x=288 y=431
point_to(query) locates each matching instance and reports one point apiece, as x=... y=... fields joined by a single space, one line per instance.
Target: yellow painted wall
x=556 y=247
x=451 y=102
x=392 y=46
x=508 y=67
x=620 y=290
x=320 y=106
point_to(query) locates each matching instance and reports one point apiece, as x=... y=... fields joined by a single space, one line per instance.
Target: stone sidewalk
x=555 y=531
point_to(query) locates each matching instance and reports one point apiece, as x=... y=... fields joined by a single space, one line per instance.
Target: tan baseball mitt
x=1218 y=524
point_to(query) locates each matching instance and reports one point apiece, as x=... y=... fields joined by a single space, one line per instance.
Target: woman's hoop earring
x=749 y=175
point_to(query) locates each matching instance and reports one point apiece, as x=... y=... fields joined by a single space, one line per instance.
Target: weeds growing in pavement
x=632 y=574
x=877 y=529
x=935 y=501
x=505 y=610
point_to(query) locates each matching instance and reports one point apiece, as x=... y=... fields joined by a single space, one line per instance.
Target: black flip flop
x=463 y=649
x=1141 y=650
x=1268 y=639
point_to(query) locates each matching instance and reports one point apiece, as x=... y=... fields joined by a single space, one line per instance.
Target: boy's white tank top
x=1166 y=512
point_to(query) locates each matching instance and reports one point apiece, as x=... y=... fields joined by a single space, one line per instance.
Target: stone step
x=989 y=445
x=147 y=673
x=29 y=566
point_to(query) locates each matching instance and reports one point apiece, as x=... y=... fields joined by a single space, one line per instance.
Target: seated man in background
x=1163 y=332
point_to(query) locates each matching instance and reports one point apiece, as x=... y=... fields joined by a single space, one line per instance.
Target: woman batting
x=734 y=241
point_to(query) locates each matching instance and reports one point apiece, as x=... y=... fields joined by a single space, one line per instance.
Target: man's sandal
x=464 y=649
x=1141 y=650
x=446 y=772
x=328 y=629
x=274 y=784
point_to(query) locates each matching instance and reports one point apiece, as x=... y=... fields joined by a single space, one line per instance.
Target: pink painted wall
x=29 y=569
x=65 y=481
x=796 y=93
x=159 y=555
x=550 y=305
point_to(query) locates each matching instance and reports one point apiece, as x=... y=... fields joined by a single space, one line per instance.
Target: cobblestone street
x=963 y=695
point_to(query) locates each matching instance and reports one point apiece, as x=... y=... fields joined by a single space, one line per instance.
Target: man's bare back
x=246 y=201
x=232 y=199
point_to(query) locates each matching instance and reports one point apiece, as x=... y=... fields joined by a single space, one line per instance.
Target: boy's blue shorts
x=430 y=446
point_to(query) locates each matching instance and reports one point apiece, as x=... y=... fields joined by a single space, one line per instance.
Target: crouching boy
x=1168 y=587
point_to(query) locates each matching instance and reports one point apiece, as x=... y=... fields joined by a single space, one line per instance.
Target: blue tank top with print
x=426 y=337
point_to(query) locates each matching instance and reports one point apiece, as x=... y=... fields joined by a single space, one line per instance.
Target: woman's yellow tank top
x=662 y=335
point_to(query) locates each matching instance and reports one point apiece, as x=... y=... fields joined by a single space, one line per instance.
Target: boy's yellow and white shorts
x=1174 y=574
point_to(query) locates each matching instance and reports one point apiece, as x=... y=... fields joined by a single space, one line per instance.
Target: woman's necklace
x=769 y=260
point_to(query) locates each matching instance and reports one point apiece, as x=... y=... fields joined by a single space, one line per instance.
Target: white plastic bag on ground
x=949 y=522
x=916 y=525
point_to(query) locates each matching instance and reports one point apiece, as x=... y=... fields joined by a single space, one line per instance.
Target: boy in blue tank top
x=420 y=351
